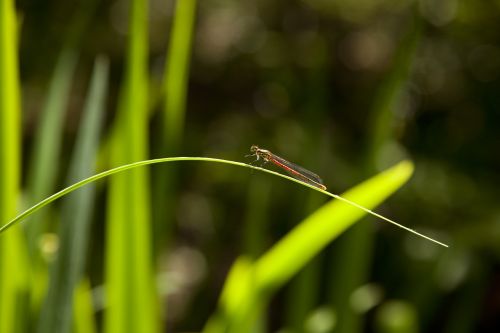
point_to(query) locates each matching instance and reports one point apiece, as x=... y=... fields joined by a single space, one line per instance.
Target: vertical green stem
x=13 y=269
x=132 y=306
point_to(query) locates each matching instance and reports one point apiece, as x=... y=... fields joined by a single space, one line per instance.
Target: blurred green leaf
x=306 y=240
x=130 y=282
x=297 y=248
x=66 y=271
x=14 y=281
x=44 y=162
x=177 y=72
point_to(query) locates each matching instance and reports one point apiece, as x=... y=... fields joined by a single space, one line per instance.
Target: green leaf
x=44 y=162
x=177 y=72
x=279 y=264
x=14 y=272
x=306 y=240
x=66 y=271
x=83 y=311
x=130 y=283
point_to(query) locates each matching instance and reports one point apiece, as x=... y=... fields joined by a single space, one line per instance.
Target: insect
x=292 y=169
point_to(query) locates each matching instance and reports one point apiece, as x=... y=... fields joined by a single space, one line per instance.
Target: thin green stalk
x=71 y=188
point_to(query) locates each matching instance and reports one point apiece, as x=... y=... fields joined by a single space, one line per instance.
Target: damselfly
x=292 y=169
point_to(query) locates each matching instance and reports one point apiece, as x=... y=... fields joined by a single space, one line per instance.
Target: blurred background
x=344 y=88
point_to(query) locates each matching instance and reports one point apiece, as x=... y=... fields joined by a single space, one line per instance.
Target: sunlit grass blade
x=130 y=283
x=66 y=271
x=44 y=162
x=14 y=282
x=239 y=301
x=309 y=237
x=299 y=246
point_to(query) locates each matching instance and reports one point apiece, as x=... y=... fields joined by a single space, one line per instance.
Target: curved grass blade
x=71 y=188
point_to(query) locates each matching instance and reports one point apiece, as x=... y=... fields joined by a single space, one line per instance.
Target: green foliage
x=14 y=281
x=83 y=311
x=261 y=70
x=67 y=269
x=248 y=284
x=44 y=163
x=177 y=73
x=131 y=305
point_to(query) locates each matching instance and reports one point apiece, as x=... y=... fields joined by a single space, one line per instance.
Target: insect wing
x=298 y=172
